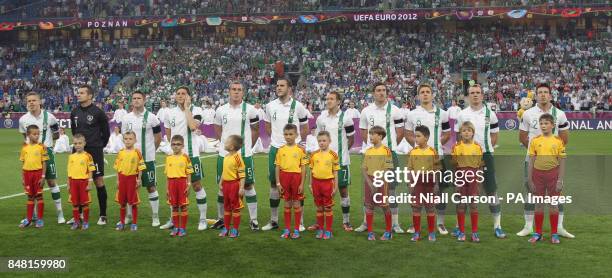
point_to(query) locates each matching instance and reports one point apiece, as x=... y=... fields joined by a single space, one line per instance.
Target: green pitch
x=102 y=251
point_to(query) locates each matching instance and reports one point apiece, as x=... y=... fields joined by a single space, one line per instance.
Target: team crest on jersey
x=418 y=122
x=90 y=118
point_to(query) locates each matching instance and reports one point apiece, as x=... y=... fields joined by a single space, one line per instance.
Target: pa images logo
x=8 y=123
x=510 y=124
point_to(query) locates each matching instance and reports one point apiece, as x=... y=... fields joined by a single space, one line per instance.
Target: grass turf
x=102 y=251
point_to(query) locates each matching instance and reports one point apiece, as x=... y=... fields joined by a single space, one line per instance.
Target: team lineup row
x=240 y=119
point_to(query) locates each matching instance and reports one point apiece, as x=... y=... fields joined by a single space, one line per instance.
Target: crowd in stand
x=510 y=63
x=57 y=68
x=210 y=66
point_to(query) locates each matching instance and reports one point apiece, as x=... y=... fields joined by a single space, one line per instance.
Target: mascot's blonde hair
x=525 y=104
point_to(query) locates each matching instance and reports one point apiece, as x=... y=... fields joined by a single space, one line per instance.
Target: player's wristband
x=43 y=176
x=278 y=184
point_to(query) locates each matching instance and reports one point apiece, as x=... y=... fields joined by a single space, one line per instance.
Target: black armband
x=349 y=129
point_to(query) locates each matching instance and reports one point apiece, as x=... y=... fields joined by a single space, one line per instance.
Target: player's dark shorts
x=344 y=176
x=271 y=165
x=396 y=164
x=490 y=185
x=51 y=172
x=149 y=177
x=98 y=158
x=446 y=165
x=197 y=169
x=248 y=169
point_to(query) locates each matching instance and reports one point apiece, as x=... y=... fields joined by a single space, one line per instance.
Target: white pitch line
x=64 y=185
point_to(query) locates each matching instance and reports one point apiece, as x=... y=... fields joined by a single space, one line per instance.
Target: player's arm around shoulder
x=303 y=163
x=90 y=169
x=531 y=162
x=241 y=174
x=388 y=158
x=562 y=158
x=480 y=154
x=141 y=167
x=22 y=153
x=335 y=168
x=44 y=158
x=118 y=159
x=277 y=162
x=435 y=158
x=364 y=171
x=188 y=168
x=455 y=154
x=410 y=160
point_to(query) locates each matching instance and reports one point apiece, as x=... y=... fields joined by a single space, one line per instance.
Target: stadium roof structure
x=459 y=14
